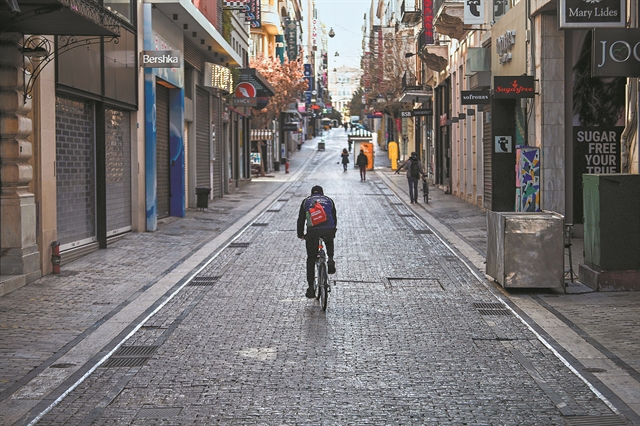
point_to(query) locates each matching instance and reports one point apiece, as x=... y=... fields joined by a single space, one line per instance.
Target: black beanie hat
x=317 y=190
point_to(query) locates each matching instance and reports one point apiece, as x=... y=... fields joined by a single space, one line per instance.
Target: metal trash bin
x=202 y=197
x=526 y=250
x=320 y=146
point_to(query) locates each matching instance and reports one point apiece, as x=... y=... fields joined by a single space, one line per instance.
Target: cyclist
x=319 y=224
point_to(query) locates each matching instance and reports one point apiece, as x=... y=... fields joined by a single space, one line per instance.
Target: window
x=121 y=8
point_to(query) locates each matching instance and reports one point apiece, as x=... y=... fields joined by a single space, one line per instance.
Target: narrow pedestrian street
x=413 y=332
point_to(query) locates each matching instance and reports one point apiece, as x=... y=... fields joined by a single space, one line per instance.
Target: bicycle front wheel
x=323 y=284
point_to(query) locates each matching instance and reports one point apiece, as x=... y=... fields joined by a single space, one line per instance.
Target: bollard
x=286 y=166
x=55 y=257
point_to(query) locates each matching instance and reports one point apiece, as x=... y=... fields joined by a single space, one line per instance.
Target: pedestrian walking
x=345 y=159
x=414 y=172
x=318 y=212
x=362 y=161
x=346 y=126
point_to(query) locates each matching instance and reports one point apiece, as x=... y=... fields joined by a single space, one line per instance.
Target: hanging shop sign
x=422 y=112
x=405 y=114
x=513 y=87
x=291 y=38
x=291 y=127
x=475 y=97
x=474 y=12
x=161 y=59
x=254 y=14
x=218 y=77
x=592 y=13
x=427 y=21
x=616 y=52
x=503 y=144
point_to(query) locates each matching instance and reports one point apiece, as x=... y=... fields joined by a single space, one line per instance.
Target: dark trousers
x=413 y=188
x=311 y=240
x=344 y=166
x=363 y=172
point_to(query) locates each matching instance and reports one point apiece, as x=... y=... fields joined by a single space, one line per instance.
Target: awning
x=59 y=17
x=360 y=134
x=199 y=30
x=261 y=134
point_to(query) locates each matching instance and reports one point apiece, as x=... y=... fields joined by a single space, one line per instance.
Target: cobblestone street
x=412 y=334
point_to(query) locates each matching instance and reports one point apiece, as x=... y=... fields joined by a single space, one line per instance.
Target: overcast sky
x=346 y=17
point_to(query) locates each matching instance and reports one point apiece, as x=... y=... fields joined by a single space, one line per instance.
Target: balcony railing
x=410 y=11
x=410 y=82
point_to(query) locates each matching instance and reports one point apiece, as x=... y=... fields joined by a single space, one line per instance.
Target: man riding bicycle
x=318 y=212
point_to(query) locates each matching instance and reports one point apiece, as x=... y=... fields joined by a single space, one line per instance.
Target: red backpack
x=316 y=215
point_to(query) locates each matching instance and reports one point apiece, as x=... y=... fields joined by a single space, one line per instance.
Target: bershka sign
x=475 y=97
x=616 y=52
x=161 y=59
x=592 y=13
x=513 y=87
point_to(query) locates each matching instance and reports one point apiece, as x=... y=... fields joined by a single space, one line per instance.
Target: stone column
x=19 y=251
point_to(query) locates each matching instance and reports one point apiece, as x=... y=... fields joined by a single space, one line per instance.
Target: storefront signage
x=592 y=13
x=161 y=59
x=290 y=127
x=405 y=114
x=500 y=7
x=474 y=12
x=218 y=77
x=422 y=112
x=513 y=87
x=504 y=43
x=291 y=38
x=254 y=14
x=616 y=52
x=443 y=120
x=245 y=90
x=597 y=149
x=427 y=21
x=475 y=97
x=503 y=145
x=247 y=102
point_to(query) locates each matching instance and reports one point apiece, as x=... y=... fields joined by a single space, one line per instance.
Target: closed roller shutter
x=486 y=152
x=118 y=171
x=203 y=137
x=163 y=188
x=75 y=172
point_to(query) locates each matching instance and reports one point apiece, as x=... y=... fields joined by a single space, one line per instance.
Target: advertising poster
x=598 y=120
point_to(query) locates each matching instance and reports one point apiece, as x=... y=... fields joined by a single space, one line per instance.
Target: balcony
x=410 y=12
x=413 y=91
x=434 y=56
x=449 y=19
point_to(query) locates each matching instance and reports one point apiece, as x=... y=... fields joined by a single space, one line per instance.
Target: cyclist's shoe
x=331 y=266
x=311 y=294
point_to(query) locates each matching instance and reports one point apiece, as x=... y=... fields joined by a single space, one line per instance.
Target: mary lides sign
x=591 y=13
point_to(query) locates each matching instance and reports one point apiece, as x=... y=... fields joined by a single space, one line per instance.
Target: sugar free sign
x=597 y=150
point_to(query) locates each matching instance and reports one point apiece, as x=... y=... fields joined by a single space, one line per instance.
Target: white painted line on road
x=262 y=206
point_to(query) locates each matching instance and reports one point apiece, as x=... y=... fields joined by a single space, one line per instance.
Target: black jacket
x=362 y=160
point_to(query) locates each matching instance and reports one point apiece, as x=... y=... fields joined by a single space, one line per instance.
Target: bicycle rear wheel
x=323 y=284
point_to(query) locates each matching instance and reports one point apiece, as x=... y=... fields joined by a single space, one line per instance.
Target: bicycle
x=425 y=189
x=321 y=283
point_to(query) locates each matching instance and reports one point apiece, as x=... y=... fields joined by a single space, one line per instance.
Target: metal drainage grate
x=491 y=309
x=422 y=231
x=203 y=281
x=605 y=420
x=63 y=365
x=239 y=245
x=130 y=356
x=273 y=210
x=259 y=224
x=159 y=413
